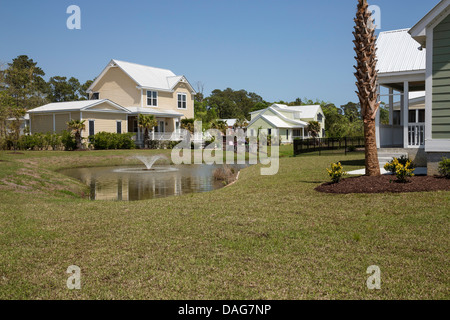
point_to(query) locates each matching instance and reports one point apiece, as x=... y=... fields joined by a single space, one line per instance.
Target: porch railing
x=416 y=134
x=160 y=136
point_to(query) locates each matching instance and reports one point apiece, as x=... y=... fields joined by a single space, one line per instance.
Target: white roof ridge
x=143 y=65
x=397 y=30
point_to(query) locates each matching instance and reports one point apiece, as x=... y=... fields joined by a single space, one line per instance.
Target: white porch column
x=54 y=123
x=405 y=113
x=391 y=106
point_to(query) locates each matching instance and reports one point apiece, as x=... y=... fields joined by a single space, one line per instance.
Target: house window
x=152 y=98
x=319 y=117
x=297 y=133
x=396 y=118
x=91 y=127
x=269 y=131
x=182 y=98
x=119 y=126
x=95 y=96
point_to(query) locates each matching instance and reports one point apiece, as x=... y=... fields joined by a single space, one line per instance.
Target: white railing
x=159 y=136
x=416 y=134
x=391 y=136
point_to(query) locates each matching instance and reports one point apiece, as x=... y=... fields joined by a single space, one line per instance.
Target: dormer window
x=152 y=98
x=182 y=98
x=95 y=96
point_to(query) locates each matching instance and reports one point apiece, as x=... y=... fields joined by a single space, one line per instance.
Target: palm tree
x=219 y=125
x=76 y=126
x=148 y=122
x=367 y=82
x=313 y=128
x=241 y=123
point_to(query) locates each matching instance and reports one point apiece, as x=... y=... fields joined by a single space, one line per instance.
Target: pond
x=131 y=183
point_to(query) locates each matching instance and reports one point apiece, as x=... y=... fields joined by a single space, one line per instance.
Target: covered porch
x=406 y=106
x=167 y=129
x=401 y=78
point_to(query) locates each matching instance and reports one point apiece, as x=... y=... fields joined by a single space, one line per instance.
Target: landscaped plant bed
x=384 y=184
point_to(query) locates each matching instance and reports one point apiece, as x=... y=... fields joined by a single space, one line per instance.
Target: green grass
x=264 y=237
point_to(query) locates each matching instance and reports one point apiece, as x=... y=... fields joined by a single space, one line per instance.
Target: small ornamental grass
x=444 y=168
x=336 y=172
x=401 y=168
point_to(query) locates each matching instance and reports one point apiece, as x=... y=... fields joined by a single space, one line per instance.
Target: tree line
x=22 y=87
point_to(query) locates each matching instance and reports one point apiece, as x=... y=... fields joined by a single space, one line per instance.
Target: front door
x=161 y=127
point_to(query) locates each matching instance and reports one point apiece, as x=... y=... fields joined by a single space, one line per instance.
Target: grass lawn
x=264 y=237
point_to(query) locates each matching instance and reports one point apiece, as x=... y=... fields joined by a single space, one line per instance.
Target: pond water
x=131 y=183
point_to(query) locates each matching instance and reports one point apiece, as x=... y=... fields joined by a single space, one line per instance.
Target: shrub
x=107 y=141
x=68 y=141
x=336 y=172
x=225 y=174
x=392 y=165
x=444 y=168
x=400 y=168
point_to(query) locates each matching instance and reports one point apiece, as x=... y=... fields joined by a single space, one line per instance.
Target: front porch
x=168 y=129
x=406 y=127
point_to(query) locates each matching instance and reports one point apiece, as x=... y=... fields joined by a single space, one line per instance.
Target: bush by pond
x=107 y=140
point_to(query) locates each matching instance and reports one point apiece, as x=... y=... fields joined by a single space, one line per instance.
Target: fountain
x=149 y=162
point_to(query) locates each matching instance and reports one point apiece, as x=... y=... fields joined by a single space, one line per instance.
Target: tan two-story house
x=117 y=97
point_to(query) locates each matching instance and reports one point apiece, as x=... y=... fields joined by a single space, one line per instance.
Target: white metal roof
x=76 y=106
x=280 y=123
x=399 y=52
x=306 y=112
x=145 y=76
x=279 y=120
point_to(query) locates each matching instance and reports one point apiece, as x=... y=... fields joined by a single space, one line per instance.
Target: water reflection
x=109 y=183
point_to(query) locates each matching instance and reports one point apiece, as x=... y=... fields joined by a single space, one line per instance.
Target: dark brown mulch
x=15 y=152
x=384 y=184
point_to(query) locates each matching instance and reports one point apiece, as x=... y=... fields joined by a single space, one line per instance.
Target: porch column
x=391 y=106
x=138 y=138
x=405 y=114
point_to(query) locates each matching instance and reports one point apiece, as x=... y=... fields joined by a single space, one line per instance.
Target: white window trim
x=181 y=94
x=95 y=93
x=146 y=97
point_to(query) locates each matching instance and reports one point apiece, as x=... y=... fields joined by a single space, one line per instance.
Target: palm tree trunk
x=371 y=151
x=78 y=140
x=367 y=81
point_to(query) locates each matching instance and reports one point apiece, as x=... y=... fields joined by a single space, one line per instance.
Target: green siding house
x=432 y=32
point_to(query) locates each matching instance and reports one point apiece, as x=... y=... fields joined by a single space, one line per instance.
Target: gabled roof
x=418 y=32
x=145 y=77
x=399 y=52
x=77 y=106
x=279 y=121
x=306 y=112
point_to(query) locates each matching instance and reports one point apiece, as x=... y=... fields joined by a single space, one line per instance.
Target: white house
x=291 y=122
x=414 y=65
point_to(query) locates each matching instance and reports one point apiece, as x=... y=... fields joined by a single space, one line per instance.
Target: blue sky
x=279 y=49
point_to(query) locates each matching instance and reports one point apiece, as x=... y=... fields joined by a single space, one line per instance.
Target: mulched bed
x=15 y=153
x=384 y=184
